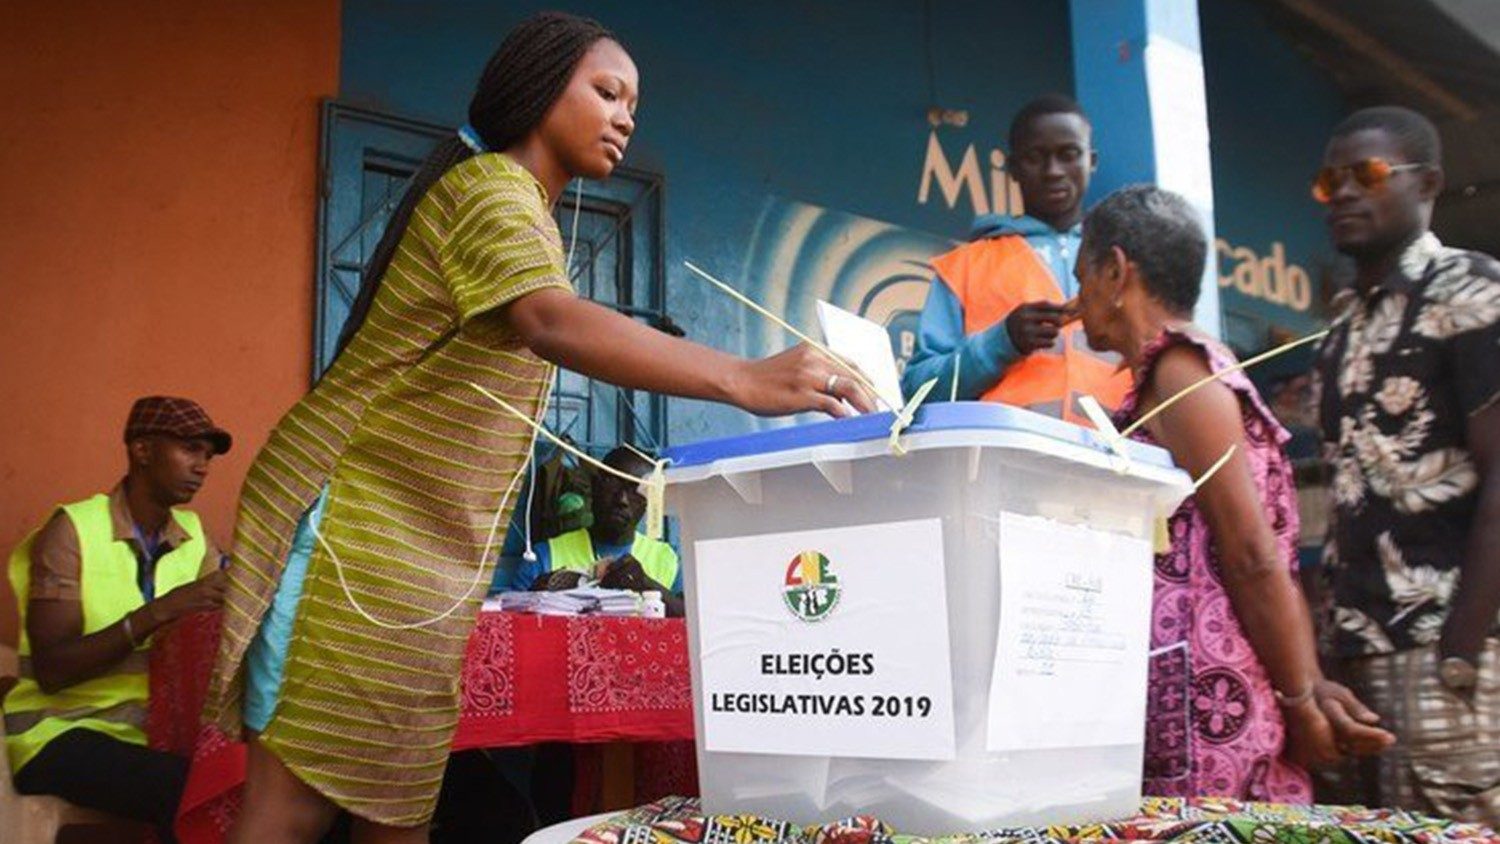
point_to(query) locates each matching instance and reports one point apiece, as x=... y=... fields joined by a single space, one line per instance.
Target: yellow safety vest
x=115 y=703
x=574 y=551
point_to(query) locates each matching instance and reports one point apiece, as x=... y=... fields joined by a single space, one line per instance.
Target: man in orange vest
x=997 y=313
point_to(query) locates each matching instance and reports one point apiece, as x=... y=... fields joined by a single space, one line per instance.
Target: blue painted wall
x=1269 y=113
x=793 y=135
x=1138 y=69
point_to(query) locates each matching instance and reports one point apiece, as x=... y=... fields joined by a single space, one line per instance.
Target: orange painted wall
x=157 y=212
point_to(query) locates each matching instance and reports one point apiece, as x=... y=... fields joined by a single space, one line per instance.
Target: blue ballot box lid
x=943 y=417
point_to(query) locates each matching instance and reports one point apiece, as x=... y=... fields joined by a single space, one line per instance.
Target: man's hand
x=557 y=581
x=625 y=572
x=203 y=594
x=1476 y=600
x=1034 y=325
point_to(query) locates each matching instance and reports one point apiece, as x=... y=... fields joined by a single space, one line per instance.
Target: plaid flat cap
x=183 y=418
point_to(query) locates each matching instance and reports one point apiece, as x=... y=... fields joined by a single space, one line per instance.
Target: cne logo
x=811 y=589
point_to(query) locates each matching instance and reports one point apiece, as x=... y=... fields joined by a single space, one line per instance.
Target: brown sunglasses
x=1371 y=174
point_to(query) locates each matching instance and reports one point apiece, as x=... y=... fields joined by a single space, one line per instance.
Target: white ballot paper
x=867 y=345
x=1075 y=630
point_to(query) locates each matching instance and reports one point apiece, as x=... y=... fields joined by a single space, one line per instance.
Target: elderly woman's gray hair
x=1160 y=232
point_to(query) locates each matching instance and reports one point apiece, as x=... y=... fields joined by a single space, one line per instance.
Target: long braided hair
x=520 y=83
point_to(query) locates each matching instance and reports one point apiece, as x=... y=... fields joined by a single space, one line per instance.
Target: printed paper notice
x=826 y=643
x=1075 y=628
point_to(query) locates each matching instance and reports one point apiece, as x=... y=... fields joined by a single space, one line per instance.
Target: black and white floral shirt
x=1399 y=375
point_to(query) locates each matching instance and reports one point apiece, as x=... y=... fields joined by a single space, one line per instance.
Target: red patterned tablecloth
x=526 y=679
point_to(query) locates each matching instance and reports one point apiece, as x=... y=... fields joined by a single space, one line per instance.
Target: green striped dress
x=416 y=461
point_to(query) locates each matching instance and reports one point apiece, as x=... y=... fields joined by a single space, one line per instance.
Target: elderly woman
x=1237 y=705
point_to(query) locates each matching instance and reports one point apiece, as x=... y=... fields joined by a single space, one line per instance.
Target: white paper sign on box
x=1075 y=630
x=827 y=643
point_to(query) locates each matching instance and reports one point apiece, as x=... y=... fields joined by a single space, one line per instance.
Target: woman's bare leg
x=278 y=806
x=366 y=832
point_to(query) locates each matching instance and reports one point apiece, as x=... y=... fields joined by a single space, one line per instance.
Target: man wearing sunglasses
x=1410 y=417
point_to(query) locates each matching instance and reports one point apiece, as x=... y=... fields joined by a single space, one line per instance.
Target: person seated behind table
x=95 y=582
x=632 y=559
x=996 y=312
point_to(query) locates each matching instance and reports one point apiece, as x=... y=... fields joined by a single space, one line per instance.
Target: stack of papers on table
x=585 y=600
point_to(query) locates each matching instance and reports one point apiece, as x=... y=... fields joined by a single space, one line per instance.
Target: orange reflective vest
x=991 y=278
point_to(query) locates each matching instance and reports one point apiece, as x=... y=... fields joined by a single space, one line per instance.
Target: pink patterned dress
x=1212 y=724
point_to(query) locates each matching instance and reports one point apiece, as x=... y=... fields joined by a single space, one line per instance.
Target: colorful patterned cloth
x=416 y=461
x=676 y=820
x=1212 y=723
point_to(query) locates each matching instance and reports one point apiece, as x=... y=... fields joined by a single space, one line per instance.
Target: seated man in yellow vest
x=998 y=312
x=95 y=582
x=631 y=559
